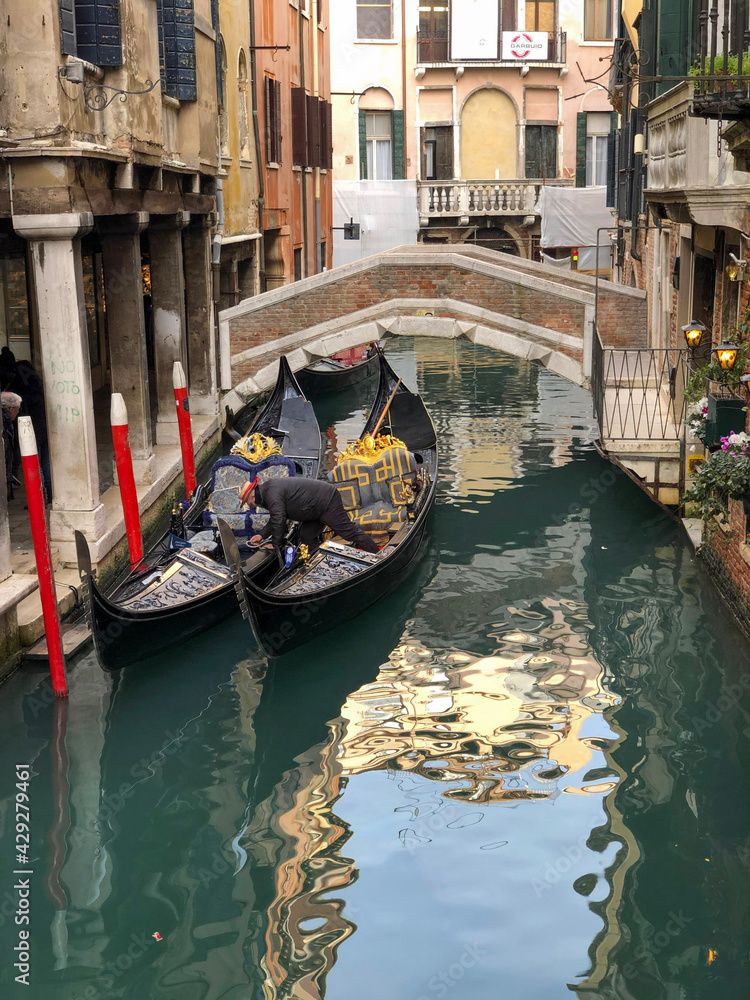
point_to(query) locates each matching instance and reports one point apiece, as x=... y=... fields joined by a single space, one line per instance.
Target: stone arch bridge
x=513 y=305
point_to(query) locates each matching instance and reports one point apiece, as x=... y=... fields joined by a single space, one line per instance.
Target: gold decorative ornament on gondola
x=255 y=447
x=369 y=448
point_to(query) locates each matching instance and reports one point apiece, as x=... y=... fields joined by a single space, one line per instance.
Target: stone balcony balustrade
x=471 y=199
x=688 y=179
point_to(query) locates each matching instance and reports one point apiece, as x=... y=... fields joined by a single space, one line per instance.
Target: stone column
x=59 y=300
x=198 y=287
x=123 y=289
x=168 y=312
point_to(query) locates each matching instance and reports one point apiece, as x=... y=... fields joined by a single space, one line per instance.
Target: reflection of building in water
x=522 y=724
x=296 y=835
x=508 y=726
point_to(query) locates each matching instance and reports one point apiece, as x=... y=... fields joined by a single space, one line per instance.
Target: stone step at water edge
x=30 y=618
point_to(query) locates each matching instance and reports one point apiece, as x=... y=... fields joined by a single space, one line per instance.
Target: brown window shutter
x=277 y=108
x=326 y=134
x=313 y=132
x=508 y=16
x=267 y=116
x=299 y=127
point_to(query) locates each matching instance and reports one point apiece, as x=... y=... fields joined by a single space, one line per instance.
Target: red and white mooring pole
x=118 y=416
x=183 y=422
x=32 y=478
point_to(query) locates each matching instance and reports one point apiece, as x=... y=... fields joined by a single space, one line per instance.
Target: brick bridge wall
x=499 y=285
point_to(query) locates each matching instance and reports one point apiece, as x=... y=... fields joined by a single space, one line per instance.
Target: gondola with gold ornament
x=183 y=585
x=387 y=482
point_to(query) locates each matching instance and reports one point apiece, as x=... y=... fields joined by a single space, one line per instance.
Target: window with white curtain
x=379 y=146
x=598 y=124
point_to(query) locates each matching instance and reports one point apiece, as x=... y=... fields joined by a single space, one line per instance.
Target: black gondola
x=338 y=581
x=330 y=375
x=174 y=594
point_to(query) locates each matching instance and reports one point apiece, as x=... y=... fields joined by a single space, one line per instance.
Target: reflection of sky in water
x=449 y=756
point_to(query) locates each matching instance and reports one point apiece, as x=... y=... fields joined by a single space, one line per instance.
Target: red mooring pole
x=118 y=417
x=35 y=499
x=183 y=421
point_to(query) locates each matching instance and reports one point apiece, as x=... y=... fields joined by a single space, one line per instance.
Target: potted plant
x=724 y=476
x=714 y=407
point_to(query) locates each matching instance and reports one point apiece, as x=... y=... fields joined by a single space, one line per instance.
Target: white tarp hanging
x=561 y=263
x=474 y=29
x=385 y=210
x=571 y=217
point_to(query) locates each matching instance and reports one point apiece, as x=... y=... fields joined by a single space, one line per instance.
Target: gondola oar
x=386 y=408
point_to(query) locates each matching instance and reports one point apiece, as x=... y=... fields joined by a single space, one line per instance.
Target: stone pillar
x=59 y=299
x=200 y=333
x=123 y=289
x=168 y=312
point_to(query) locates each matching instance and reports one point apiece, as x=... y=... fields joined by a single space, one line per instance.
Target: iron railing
x=438 y=50
x=722 y=70
x=638 y=393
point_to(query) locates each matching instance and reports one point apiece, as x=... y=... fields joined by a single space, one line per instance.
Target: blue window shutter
x=66 y=9
x=216 y=25
x=177 y=51
x=187 y=83
x=98 y=33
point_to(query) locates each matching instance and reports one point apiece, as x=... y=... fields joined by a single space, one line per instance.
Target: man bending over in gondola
x=316 y=504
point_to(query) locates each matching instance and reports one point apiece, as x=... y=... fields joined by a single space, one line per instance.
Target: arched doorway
x=488 y=136
x=495 y=238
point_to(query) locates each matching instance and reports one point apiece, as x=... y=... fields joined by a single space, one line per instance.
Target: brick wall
x=622 y=317
x=725 y=559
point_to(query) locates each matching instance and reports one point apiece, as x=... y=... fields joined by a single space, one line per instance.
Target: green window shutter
x=581 y=149
x=397 y=133
x=363 y=145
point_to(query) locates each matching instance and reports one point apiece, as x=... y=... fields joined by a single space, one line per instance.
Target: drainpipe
x=303 y=179
x=316 y=168
x=258 y=151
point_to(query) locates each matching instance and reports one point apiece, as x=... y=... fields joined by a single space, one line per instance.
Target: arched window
x=242 y=106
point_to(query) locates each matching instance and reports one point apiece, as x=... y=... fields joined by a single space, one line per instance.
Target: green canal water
x=522 y=775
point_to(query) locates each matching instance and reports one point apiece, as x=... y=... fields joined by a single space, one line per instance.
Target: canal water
x=521 y=776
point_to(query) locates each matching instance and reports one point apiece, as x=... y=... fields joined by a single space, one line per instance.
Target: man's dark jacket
x=293 y=499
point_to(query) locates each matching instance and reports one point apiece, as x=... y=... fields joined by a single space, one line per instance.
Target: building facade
x=681 y=198
x=479 y=103
x=292 y=136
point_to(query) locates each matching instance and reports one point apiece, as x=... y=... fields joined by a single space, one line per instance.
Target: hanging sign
x=474 y=32
x=528 y=45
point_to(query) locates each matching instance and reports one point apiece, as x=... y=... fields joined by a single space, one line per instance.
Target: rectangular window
x=90 y=29
x=540 y=16
x=298 y=263
x=434 y=21
x=597 y=140
x=374 y=19
x=541 y=151
x=597 y=20
x=312 y=144
x=437 y=153
x=272 y=112
x=379 y=147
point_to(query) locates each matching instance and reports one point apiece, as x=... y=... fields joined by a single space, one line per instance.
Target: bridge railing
x=639 y=394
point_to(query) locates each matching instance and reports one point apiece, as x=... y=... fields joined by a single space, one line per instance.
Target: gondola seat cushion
x=227 y=475
x=204 y=541
x=371 y=491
